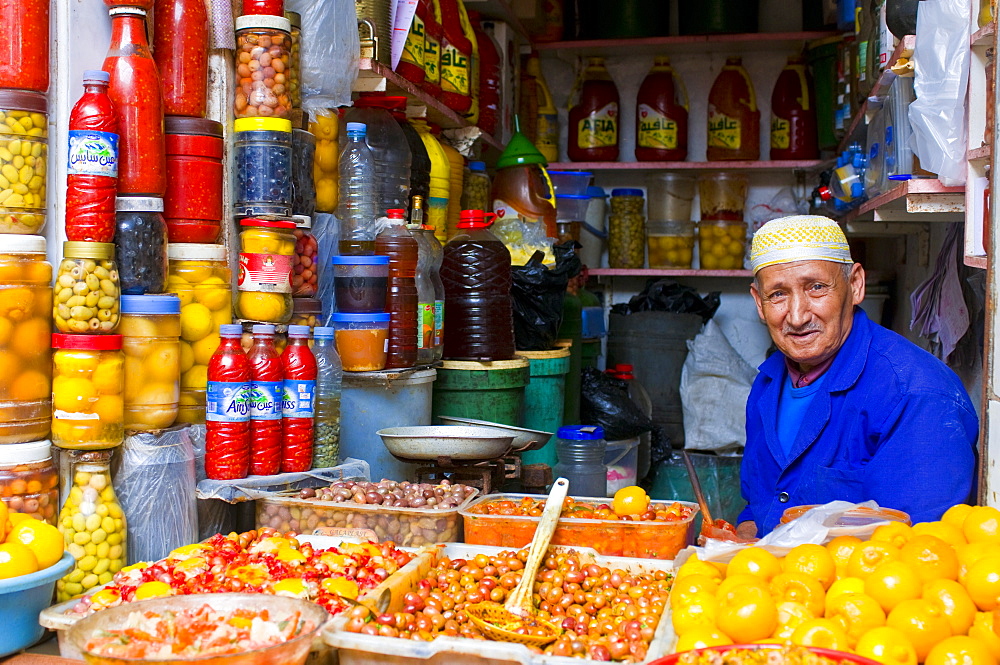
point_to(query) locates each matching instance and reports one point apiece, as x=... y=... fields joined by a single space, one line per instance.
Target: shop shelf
x=881 y=87
x=666 y=272
x=977 y=154
x=763 y=165
x=735 y=43
x=984 y=36
x=912 y=201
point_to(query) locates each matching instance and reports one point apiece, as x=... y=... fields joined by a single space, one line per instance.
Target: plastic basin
x=22 y=599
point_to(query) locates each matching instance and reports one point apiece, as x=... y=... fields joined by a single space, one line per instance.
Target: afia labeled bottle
x=227 y=408
x=329 y=376
x=433 y=34
x=456 y=59
x=661 y=115
x=733 y=117
x=266 y=399
x=180 y=49
x=411 y=61
x=522 y=189
x=92 y=168
x=546 y=113
x=299 y=405
x=401 y=297
x=594 y=121
x=793 y=113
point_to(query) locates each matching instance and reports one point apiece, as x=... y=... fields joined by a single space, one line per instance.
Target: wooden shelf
x=984 y=36
x=978 y=154
x=786 y=165
x=499 y=10
x=880 y=88
x=665 y=272
x=736 y=43
x=976 y=261
x=912 y=201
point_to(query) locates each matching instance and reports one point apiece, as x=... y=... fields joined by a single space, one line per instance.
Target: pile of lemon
x=929 y=593
x=27 y=545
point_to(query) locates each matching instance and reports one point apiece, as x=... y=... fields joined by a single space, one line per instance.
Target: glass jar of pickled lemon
x=267 y=248
x=29 y=482
x=87 y=289
x=151 y=329
x=200 y=276
x=670 y=244
x=721 y=244
x=25 y=325
x=87 y=384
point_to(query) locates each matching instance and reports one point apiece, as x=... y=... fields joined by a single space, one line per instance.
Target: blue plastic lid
x=477 y=166
x=231 y=330
x=369 y=317
x=596 y=192
x=357 y=128
x=298 y=331
x=582 y=174
x=375 y=260
x=581 y=433
x=96 y=75
x=263 y=329
x=150 y=304
x=626 y=192
x=578 y=197
x=322 y=332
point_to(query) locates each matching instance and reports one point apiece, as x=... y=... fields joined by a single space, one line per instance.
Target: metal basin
x=464 y=443
x=524 y=439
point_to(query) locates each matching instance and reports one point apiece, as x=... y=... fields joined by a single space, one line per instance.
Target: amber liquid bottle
x=401 y=300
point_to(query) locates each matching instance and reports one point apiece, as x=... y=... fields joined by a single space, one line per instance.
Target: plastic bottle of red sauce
x=433 y=34
x=733 y=117
x=401 y=301
x=521 y=186
x=266 y=402
x=92 y=166
x=266 y=7
x=593 y=122
x=135 y=90
x=489 y=77
x=661 y=116
x=180 y=49
x=456 y=60
x=227 y=409
x=793 y=113
x=411 y=62
x=299 y=404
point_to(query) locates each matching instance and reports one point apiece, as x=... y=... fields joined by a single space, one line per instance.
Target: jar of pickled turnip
x=25 y=325
x=92 y=523
x=88 y=380
x=29 y=482
x=150 y=330
x=267 y=250
x=24 y=147
x=87 y=289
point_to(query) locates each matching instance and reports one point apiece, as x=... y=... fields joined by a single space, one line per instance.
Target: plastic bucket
x=543 y=399
x=720 y=481
x=623 y=19
x=376 y=400
x=22 y=599
x=492 y=391
x=622 y=460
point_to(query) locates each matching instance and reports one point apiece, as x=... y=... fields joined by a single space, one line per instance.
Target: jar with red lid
x=263 y=54
x=29 y=482
x=267 y=250
x=180 y=48
x=24 y=147
x=24 y=47
x=192 y=205
x=267 y=7
x=305 y=276
x=88 y=379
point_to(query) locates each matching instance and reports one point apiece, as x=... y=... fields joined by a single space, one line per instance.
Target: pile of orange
x=929 y=594
x=27 y=545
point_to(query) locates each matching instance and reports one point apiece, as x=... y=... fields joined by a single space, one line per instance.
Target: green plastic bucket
x=492 y=391
x=543 y=399
x=720 y=481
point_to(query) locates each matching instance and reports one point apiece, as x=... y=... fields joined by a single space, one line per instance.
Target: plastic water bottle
x=390 y=149
x=357 y=193
x=329 y=375
x=425 y=296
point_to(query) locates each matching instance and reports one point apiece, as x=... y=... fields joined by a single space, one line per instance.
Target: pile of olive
x=604 y=614
x=391 y=493
x=86 y=296
x=626 y=232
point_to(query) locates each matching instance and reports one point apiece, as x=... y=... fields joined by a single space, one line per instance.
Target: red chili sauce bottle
x=266 y=394
x=227 y=409
x=298 y=406
x=92 y=173
x=180 y=49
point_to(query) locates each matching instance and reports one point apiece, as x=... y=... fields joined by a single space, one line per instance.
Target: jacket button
x=783 y=497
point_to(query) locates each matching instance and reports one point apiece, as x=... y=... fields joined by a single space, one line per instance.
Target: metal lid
x=294 y=18
x=369 y=317
x=25 y=453
x=302 y=221
x=138 y=204
x=24 y=244
x=262 y=125
x=79 y=249
x=150 y=304
x=87 y=342
x=179 y=124
x=248 y=21
x=23 y=100
x=184 y=251
x=581 y=432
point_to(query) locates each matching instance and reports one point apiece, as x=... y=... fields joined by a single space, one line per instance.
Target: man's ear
x=856 y=282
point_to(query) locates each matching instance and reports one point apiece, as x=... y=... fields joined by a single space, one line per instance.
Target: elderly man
x=847 y=409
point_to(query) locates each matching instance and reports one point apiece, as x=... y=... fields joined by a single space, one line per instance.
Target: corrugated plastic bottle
x=357 y=193
x=227 y=409
x=425 y=296
x=329 y=375
x=401 y=297
x=390 y=150
x=299 y=404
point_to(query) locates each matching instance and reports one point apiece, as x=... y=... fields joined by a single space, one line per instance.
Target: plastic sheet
x=329 y=51
x=537 y=294
x=256 y=487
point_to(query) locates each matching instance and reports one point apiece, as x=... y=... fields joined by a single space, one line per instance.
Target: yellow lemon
x=196 y=322
x=154 y=589
x=108 y=376
x=204 y=348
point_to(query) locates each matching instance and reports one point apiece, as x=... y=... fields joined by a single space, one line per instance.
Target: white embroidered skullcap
x=799 y=238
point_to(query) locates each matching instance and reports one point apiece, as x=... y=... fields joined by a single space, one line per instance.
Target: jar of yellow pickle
x=326 y=159
x=87 y=384
x=670 y=244
x=721 y=244
x=307 y=312
x=25 y=325
x=29 y=482
x=265 y=278
x=24 y=146
x=87 y=289
x=93 y=525
x=151 y=329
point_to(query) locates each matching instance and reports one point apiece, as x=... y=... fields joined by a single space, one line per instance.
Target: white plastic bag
x=329 y=52
x=715 y=384
x=937 y=116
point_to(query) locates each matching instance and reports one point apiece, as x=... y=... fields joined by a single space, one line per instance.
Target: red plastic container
x=180 y=49
x=299 y=406
x=227 y=409
x=594 y=121
x=192 y=205
x=24 y=47
x=266 y=7
x=793 y=113
x=265 y=402
x=92 y=178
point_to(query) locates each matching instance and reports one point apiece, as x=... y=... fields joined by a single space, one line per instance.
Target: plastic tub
x=852 y=518
x=362 y=340
x=574 y=183
x=643 y=540
x=669 y=196
x=572 y=207
x=721 y=244
x=622 y=460
x=834 y=657
x=670 y=244
x=723 y=195
x=21 y=600
x=359 y=283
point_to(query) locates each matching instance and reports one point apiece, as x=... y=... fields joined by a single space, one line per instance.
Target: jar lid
x=582 y=174
x=23 y=100
x=573 y=197
x=23 y=244
x=138 y=204
x=375 y=260
x=477 y=166
x=25 y=453
x=180 y=124
x=622 y=191
x=193 y=145
x=298 y=331
x=369 y=317
x=323 y=332
x=581 y=432
x=184 y=251
x=262 y=125
x=263 y=21
x=302 y=221
x=150 y=304
x=307 y=306
x=262 y=329
x=294 y=18
x=80 y=249
x=87 y=342
x=268 y=223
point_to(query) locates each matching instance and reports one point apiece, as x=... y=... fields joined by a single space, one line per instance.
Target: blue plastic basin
x=21 y=601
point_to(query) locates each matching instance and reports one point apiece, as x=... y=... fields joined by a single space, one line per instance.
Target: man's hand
x=747 y=530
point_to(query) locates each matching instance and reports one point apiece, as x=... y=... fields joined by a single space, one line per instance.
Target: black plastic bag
x=537 y=294
x=664 y=295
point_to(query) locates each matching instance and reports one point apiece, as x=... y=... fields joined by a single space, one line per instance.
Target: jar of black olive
x=141 y=239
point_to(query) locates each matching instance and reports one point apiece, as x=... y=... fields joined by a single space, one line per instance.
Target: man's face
x=808 y=307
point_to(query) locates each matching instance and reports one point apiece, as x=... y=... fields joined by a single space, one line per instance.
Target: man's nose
x=798 y=310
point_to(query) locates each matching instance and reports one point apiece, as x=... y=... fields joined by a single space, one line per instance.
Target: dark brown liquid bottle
x=401 y=295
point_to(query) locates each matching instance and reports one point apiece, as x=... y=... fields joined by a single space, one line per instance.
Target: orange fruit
x=798 y=588
x=983 y=582
x=971 y=553
x=887 y=646
x=844 y=585
x=982 y=524
x=812 y=560
x=867 y=556
x=745 y=614
x=701 y=638
x=856 y=613
x=16 y=560
x=922 y=621
x=790 y=616
x=956 y=514
x=631 y=500
x=698 y=612
x=43 y=539
x=840 y=549
x=823 y=633
x=946 y=531
x=893 y=582
x=931 y=558
x=960 y=650
x=695 y=583
x=4 y=522
x=695 y=566
x=739 y=583
x=956 y=602
x=754 y=561
x=895 y=533
x=983 y=630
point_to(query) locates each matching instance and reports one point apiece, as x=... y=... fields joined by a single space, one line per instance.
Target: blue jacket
x=891 y=423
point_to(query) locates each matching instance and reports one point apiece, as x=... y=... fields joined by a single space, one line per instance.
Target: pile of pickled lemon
x=28 y=545
x=929 y=593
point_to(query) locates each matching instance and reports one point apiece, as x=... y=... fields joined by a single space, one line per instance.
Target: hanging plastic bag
x=537 y=294
x=329 y=52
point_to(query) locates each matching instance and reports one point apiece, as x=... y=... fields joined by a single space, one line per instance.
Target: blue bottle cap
x=477 y=166
x=322 y=332
x=263 y=329
x=96 y=76
x=581 y=433
x=369 y=317
x=373 y=260
x=298 y=331
x=230 y=330
x=357 y=128
x=151 y=304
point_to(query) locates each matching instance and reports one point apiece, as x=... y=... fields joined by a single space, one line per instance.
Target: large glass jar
x=141 y=239
x=305 y=265
x=721 y=244
x=87 y=289
x=326 y=162
x=150 y=330
x=29 y=482
x=263 y=156
x=580 y=451
x=192 y=205
x=181 y=34
x=671 y=244
x=25 y=324
x=626 y=229
x=267 y=249
x=200 y=276
x=87 y=384
x=24 y=148
x=303 y=187
x=93 y=525
x=24 y=48
x=294 y=92
x=263 y=45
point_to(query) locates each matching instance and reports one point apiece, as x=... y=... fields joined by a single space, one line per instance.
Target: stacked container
x=151 y=328
x=670 y=232
x=23 y=160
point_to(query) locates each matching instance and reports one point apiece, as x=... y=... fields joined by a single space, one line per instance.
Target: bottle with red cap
x=401 y=301
x=299 y=403
x=227 y=408
x=793 y=113
x=266 y=395
x=477 y=281
x=92 y=170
